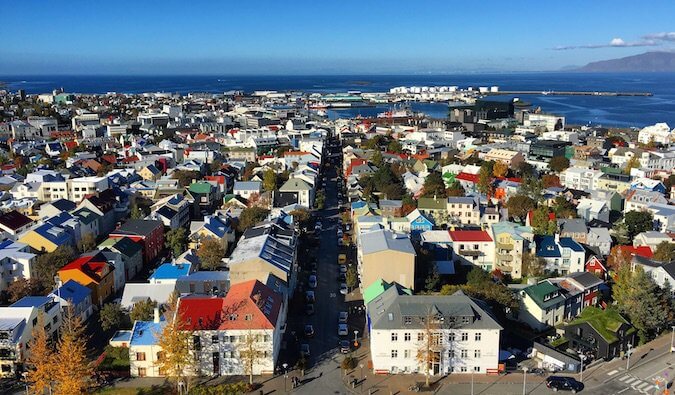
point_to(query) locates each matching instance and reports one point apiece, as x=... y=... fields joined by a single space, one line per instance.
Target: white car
x=312 y=281
x=343 y=330
x=342 y=317
x=339 y=233
x=343 y=289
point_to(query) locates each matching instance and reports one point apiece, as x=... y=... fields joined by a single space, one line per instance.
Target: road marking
x=630 y=380
x=623 y=390
x=626 y=377
x=613 y=372
x=645 y=386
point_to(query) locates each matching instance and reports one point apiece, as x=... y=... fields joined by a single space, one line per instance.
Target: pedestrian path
x=637 y=384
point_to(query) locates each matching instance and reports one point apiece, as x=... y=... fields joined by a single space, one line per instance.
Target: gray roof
x=382 y=240
x=461 y=200
x=295 y=184
x=574 y=225
x=247 y=185
x=387 y=311
x=586 y=279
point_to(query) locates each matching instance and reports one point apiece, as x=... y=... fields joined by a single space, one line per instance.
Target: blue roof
x=568 y=242
x=145 y=333
x=121 y=336
x=6 y=244
x=358 y=204
x=73 y=291
x=547 y=247
x=168 y=271
x=60 y=218
x=58 y=237
x=216 y=226
x=32 y=301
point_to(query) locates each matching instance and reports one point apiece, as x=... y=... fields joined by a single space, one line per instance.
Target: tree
x=434 y=186
x=351 y=277
x=111 y=316
x=320 y=200
x=533 y=266
x=541 y=222
x=302 y=217
x=638 y=222
x=185 y=177
x=478 y=277
x=485 y=177
x=250 y=353
x=621 y=233
x=532 y=186
x=41 y=361
x=394 y=146
x=143 y=310
x=73 y=371
x=563 y=208
x=24 y=287
x=47 y=265
x=429 y=343
x=250 y=216
x=176 y=359
x=211 y=254
x=665 y=252
x=500 y=169
x=550 y=180
x=433 y=279
x=176 y=241
x=269 y=180
x=136 y=212
x=87 y=242
x=525 y=169
x=455 y=189
x=519 y=205
x=377 y=159
x=559 y=163
x=632 y=163
x=618 y=257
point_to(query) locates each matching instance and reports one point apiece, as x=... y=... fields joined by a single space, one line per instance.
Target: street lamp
x=672 y=337
x=472 y=369
x=581 y=371
x=356 y=339
x=524 y=378
x=628 y=352
x=362 y=378
x=285 y=366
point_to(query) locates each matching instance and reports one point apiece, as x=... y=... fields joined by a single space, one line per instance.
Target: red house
x=595 y=266
x=148 y=233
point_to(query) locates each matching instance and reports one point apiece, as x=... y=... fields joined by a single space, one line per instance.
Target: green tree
x=351 y=277
x=185 y=177
x=143 y=310
x=532 y=186
x=541 y=222
x=211 y=254
x=176 y=241
x=519 y=205
x=377 y=159
x=665 y=252
x=525 y=169
x=638 y=222
x=559 y=163
x=621 y=233
x=485 y=177
x=250 y=216
x=395 y=146
x=478 y=277
x=434 y=185
x=47 y=265
x=136 y=212
x=111 y=316
x=269 y=180
x=563 y=208
x=433 y=279
x=320 y=200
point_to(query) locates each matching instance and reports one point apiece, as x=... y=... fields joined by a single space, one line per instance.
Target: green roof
x=606 y=322
x=378 y=287
x=200 y=187
x=539 y=291
x=430 y=203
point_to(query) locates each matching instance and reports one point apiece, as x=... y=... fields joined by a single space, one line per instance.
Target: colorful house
x=46 y=238
x=95 y=273
x=149 y=233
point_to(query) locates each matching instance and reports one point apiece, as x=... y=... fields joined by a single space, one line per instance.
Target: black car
x=309 y=309
x=564 y=383
x=309 y=330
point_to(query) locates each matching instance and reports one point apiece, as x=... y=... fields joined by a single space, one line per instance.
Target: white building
x=580 y=178
x=16 y=262
x=659 y=133
x=464 y=336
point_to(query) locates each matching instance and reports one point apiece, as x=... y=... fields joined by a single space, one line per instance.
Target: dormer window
x=407 y=320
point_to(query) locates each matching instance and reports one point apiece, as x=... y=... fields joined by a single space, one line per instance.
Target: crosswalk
x=637 y=384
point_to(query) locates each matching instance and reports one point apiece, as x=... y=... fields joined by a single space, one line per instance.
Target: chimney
x=557 y=238
x=156 y=315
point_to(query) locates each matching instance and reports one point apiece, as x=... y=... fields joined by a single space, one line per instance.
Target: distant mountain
x=646 y=62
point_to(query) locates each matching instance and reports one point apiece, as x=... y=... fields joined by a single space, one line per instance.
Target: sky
x=196 y=37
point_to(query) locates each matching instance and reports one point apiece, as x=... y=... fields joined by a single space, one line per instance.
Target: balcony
x=505 y=257
x=470 y=252
x=505 y=246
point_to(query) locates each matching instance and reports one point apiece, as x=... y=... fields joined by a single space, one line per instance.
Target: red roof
x=470 y=235
x=643 y=251
x=216 y=179
x=530 y=214
x=248 y=305
x=70 y=145
x=467 y=177
x=91 y=265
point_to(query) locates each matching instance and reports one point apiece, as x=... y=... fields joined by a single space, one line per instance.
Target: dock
x=570 y=93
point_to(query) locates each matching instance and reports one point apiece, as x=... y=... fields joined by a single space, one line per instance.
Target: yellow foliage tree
x=73 y=371
x=176 y=361
x=500 y=169
x=40 y=362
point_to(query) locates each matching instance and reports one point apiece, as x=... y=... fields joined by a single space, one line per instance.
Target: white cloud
x=616 y=42
x=663 y=36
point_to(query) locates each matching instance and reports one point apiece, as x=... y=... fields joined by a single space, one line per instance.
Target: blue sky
x=324 y=37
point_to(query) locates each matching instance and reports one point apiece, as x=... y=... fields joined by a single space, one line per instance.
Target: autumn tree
x=632 y=163
x=550 y=180
x=73 y=371
x=143 y=310
x=533 y=266
x=251 y=216
x=24 y=287
x=455 y=189
x=559 y=163
x=41 y=362
x=211 y=254
x=351 y=277
x=86 y=243
x=176 y=359
x=429 y=344
x=618 y=257
x=185 y=177
x=485 y=177
x=542 y=224
x=176 y=241
x=301 y=217
x=519 y=205
x=532 y=187
x=500 y=169
x=665 y=252
x=563 y=208
x=269 y=180
x=251 y=353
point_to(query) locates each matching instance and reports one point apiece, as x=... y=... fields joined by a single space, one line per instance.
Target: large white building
x=465 y=337
x=580 y=178
x=659 y=133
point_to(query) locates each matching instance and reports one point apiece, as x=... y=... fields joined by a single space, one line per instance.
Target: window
x=140 y=356
x=406 y=336
x=394 y=336
x=268 y=338
x=465 y=336
x=141 y=372
x=463 y=353
x=476 y=353
x=478 y=336
x=248 y=317
x=214 y=339
x=476 y=368
x=394 y=353
x=451 y=337
x=407 y=320
x=462 y=369
x=197 y=341
x=406 y=354
x=451 y=354
x=420 y=337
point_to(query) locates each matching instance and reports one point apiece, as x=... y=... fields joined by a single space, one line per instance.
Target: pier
x=570 y=93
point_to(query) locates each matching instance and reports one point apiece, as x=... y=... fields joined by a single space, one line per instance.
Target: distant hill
x=646 y=62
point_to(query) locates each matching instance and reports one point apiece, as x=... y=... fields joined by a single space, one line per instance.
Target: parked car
x=345 y=346
x=309 y=297
x=343 y=269
x=342 y=277
x=339 y=233
x=343 y=330
x=309 y=330
x=318 y=226
x=312 y=281
x=564 y=383
x=342 y=317
x=343 y=289
x=309 y=309
x=304 y=349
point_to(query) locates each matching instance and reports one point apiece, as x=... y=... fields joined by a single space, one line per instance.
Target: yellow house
x=95 y=273
x=150 y=172
x=46 y=238
x=386 y=255
x=609 y=183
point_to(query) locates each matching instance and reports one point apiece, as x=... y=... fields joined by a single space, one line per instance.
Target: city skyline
x=271 y=38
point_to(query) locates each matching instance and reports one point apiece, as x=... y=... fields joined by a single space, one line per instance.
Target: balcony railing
x=470 y=252
x=505 y=246
x=505 y=257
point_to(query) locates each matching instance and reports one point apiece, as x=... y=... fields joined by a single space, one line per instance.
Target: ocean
x=594 y=110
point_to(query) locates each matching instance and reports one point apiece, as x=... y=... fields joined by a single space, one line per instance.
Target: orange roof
x=91 y=265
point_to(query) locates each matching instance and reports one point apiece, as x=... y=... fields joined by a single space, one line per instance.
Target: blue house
x=419 y=222
x=74 y=294
x=170 y=272
x=561 y=254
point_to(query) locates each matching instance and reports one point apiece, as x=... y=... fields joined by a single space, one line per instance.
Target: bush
x=349 y=363
x=240 y=387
